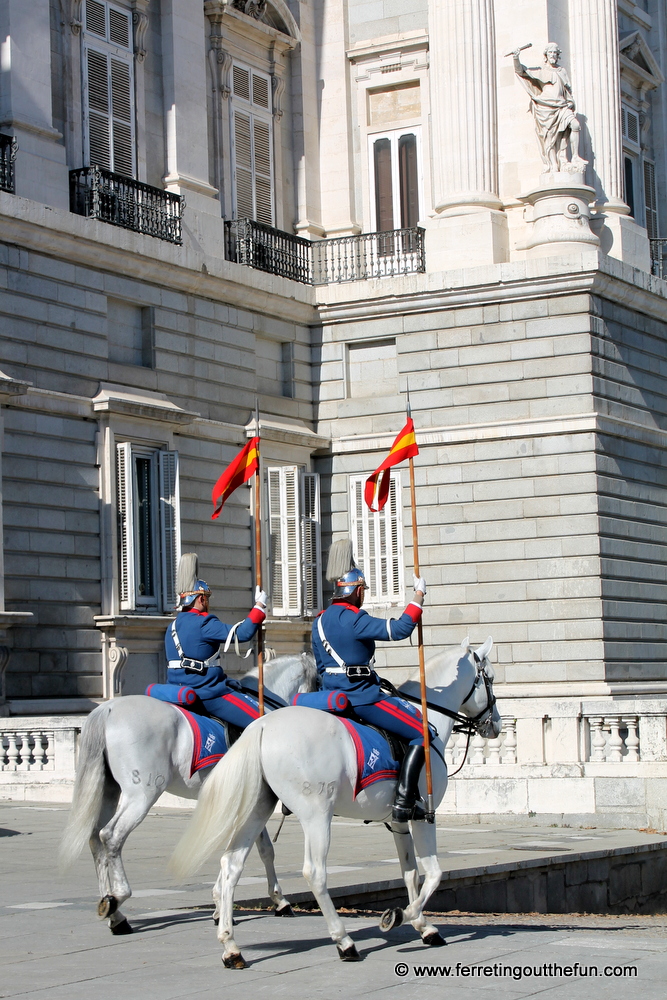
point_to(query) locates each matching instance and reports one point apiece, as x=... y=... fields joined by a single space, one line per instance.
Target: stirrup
x=418 y=811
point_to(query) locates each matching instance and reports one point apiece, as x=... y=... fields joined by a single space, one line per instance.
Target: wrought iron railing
x=268 y=249
x=8 y=147
x=659 y=257
x=369 y=255
x=321 y=262
x=122 y=201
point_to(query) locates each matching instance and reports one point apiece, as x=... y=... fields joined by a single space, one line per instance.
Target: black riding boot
x=407 y=802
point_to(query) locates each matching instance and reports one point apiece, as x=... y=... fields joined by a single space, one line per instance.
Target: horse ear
x=466 y=643
x=485 y=649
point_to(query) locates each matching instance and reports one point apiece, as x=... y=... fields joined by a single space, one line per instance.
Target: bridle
x=465 y=723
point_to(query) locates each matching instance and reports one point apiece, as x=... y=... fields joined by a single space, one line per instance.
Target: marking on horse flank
x=325 y=788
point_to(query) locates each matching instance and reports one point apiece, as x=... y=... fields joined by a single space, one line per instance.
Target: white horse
x=307 y=759
x=132 y=750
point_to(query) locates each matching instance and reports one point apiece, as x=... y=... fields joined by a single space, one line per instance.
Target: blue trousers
x=236 y=707
x=397 y=716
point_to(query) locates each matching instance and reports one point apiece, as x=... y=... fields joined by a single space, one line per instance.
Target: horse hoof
x=390 y=919
x=284 y=910
x=236 y=961
x=349 y=954
x=122 y=928
x=434 y=940
x=106 y=906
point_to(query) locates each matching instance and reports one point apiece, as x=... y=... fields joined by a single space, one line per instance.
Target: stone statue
x=552 y=104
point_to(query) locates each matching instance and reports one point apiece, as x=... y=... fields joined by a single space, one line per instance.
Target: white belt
x=213 y=662
x=336 y=670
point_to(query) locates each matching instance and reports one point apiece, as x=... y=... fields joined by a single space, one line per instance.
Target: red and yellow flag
x=237 y=472
x=377 y=485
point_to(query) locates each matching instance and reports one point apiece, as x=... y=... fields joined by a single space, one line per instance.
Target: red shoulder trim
x=348 y=607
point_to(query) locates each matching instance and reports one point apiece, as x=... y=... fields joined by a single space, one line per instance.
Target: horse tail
x=229 y=795
x=91 y=774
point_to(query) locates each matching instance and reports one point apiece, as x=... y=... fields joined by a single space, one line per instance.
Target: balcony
x=121 y=201
x=267 y=249
x=659 y=257
x=323 y=262
x=8 y=149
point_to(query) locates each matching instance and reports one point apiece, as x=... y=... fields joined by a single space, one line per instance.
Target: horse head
x=480 y=705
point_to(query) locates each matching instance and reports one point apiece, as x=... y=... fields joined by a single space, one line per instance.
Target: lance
x=430 y=813
x=258 y=568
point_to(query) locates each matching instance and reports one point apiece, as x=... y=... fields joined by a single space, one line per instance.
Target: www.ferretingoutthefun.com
x=552 y=970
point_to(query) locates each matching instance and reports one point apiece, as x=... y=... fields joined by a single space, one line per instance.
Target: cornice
x=70 y=237
x=594 y=273
x=285 y=432
x=140 y=403
x=577 y=423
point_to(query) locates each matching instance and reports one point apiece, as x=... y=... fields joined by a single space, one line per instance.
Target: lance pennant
x=237 y=472
x=377 y=485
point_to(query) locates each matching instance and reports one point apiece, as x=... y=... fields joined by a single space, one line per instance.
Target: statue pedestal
x=560 y=216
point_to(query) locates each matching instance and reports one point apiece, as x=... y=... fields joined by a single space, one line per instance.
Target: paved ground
x=52 y=946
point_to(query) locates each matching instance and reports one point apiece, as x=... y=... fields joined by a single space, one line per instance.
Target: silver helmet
x=188 y=584
x=342 y=570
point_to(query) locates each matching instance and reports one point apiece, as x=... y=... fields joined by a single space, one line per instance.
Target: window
x=294 y=537
x=377 y=540
x=629 y=183
x=252 y=143
x=630 y=126
x=149 y=540
x=108 y=88
x=394 y=171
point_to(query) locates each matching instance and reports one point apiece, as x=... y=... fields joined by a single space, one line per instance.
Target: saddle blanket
x=209 y=737
x=374 y=759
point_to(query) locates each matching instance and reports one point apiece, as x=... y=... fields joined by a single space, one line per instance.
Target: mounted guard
x=344 y=637
x=192 y=644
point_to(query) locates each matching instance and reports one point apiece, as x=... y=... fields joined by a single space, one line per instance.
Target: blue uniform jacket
x=200 y=636
x=352 y=633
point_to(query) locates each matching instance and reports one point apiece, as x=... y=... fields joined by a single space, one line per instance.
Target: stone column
x=26 y=102
x=335 y=155
x=465 y=130
x=595 y=69
x=185 y=104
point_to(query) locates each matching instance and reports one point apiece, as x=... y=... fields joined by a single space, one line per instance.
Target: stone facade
x=535 y=359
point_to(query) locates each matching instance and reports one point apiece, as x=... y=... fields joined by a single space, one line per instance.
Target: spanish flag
x=238 y=472
x=405 y=446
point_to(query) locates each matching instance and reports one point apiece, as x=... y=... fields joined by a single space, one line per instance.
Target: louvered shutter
x=253 y=142
x=170 y=526
x=245 y=208
x=650 y=200
x=310 y=543
x=262 y=172
x=109 y=88
x=285 y=534
x=377 y=539
x=124 y=500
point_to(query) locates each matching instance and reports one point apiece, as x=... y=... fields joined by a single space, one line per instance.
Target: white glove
x=420 y=584
x=260 y=597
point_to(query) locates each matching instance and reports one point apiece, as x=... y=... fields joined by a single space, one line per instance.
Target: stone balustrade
x=608 y=732
x=38 y=757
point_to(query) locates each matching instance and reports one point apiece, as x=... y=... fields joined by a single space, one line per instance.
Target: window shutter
x=310 y=543
x=285 y=531
x=650 y=200
x=122 y=117
x=263 y=185
x=260 y=91
x=97 y=106
x=125 y=494
x=275 y=542
x=109 y=88
x=377 y=539
x=243 y=166
x=170 y=526
x=96 y=21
